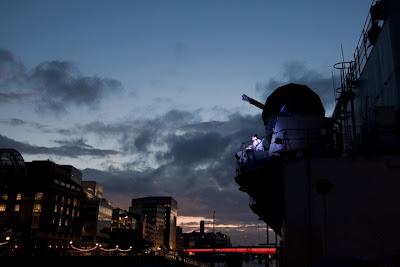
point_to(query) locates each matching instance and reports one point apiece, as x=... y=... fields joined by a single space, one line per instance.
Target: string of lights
x=125 y=250
x=102 y=249
x=83 y=249
x=116 y=249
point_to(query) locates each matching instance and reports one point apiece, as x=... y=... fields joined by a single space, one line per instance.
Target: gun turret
x=252 y=101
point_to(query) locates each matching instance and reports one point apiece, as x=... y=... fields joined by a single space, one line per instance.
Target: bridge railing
x=246 y=250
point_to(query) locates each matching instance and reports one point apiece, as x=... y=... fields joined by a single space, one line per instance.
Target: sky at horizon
x=145 y=96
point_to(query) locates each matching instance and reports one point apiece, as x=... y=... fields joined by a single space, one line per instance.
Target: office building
x=40 y=203
x=160 y=214
x=96 y=215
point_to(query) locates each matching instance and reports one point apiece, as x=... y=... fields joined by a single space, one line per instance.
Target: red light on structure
x=265 y=251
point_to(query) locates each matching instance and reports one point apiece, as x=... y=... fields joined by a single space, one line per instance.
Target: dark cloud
x=140 y=136
x=19 y=122
x=178 y=116
x=131 y=134
x=67 y=132
x=142 y=141
x=196 y=148
x=61 y=84
x=16 y=122
x=56 y=85
x=196 y=166
x=6 y=98
x=6 y=142
x=73 y=149
x=103 y=129
x=299 y=72
x=79 y=142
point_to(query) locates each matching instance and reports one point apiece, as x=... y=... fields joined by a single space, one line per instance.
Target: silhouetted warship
x=329 y=187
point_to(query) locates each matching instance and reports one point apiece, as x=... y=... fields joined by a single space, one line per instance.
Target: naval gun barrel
x=253 y=101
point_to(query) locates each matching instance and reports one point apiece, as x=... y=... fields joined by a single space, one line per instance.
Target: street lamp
x=70 y=247
x=8 y=238
x=96 y=249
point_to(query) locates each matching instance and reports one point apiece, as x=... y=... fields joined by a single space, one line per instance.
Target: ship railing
x=350 y=71
x=251 y=158
x=380 y=135
x=294 y=139
x=372 y=25
x=286 y=142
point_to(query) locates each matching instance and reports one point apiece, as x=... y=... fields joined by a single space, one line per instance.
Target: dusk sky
x=145 y=96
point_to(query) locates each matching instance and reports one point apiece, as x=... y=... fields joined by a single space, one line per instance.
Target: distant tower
x=202 y=228
x=213 y=221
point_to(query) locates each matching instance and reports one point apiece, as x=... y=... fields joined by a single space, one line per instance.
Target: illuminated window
x=4 y=196
x=62 y=199
x=77 y=213
x=75 y=202
x=67 y=211
x=38 y=196
x=17 y=207
x=59 y=222
x=62 y=183
x=56 y=181
x=19 y=196
x=68 y=201
x=55 y=208
x=3 y=207
x=37 y=207
x=66 y=222
x=62 y=209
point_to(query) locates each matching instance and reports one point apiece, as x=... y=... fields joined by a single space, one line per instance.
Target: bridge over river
x=242 y=250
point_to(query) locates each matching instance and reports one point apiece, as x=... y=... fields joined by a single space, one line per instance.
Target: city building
x=329 y=186
x=40 y=203
x=201 y=227
x=125 y=229
x=122 y=219
x=92 y=189
x=96 y=215
x=179 y=239
x=204 y=239
x=159 y=217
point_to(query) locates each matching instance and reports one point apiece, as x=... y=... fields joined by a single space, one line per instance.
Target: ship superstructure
x=329 y=186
